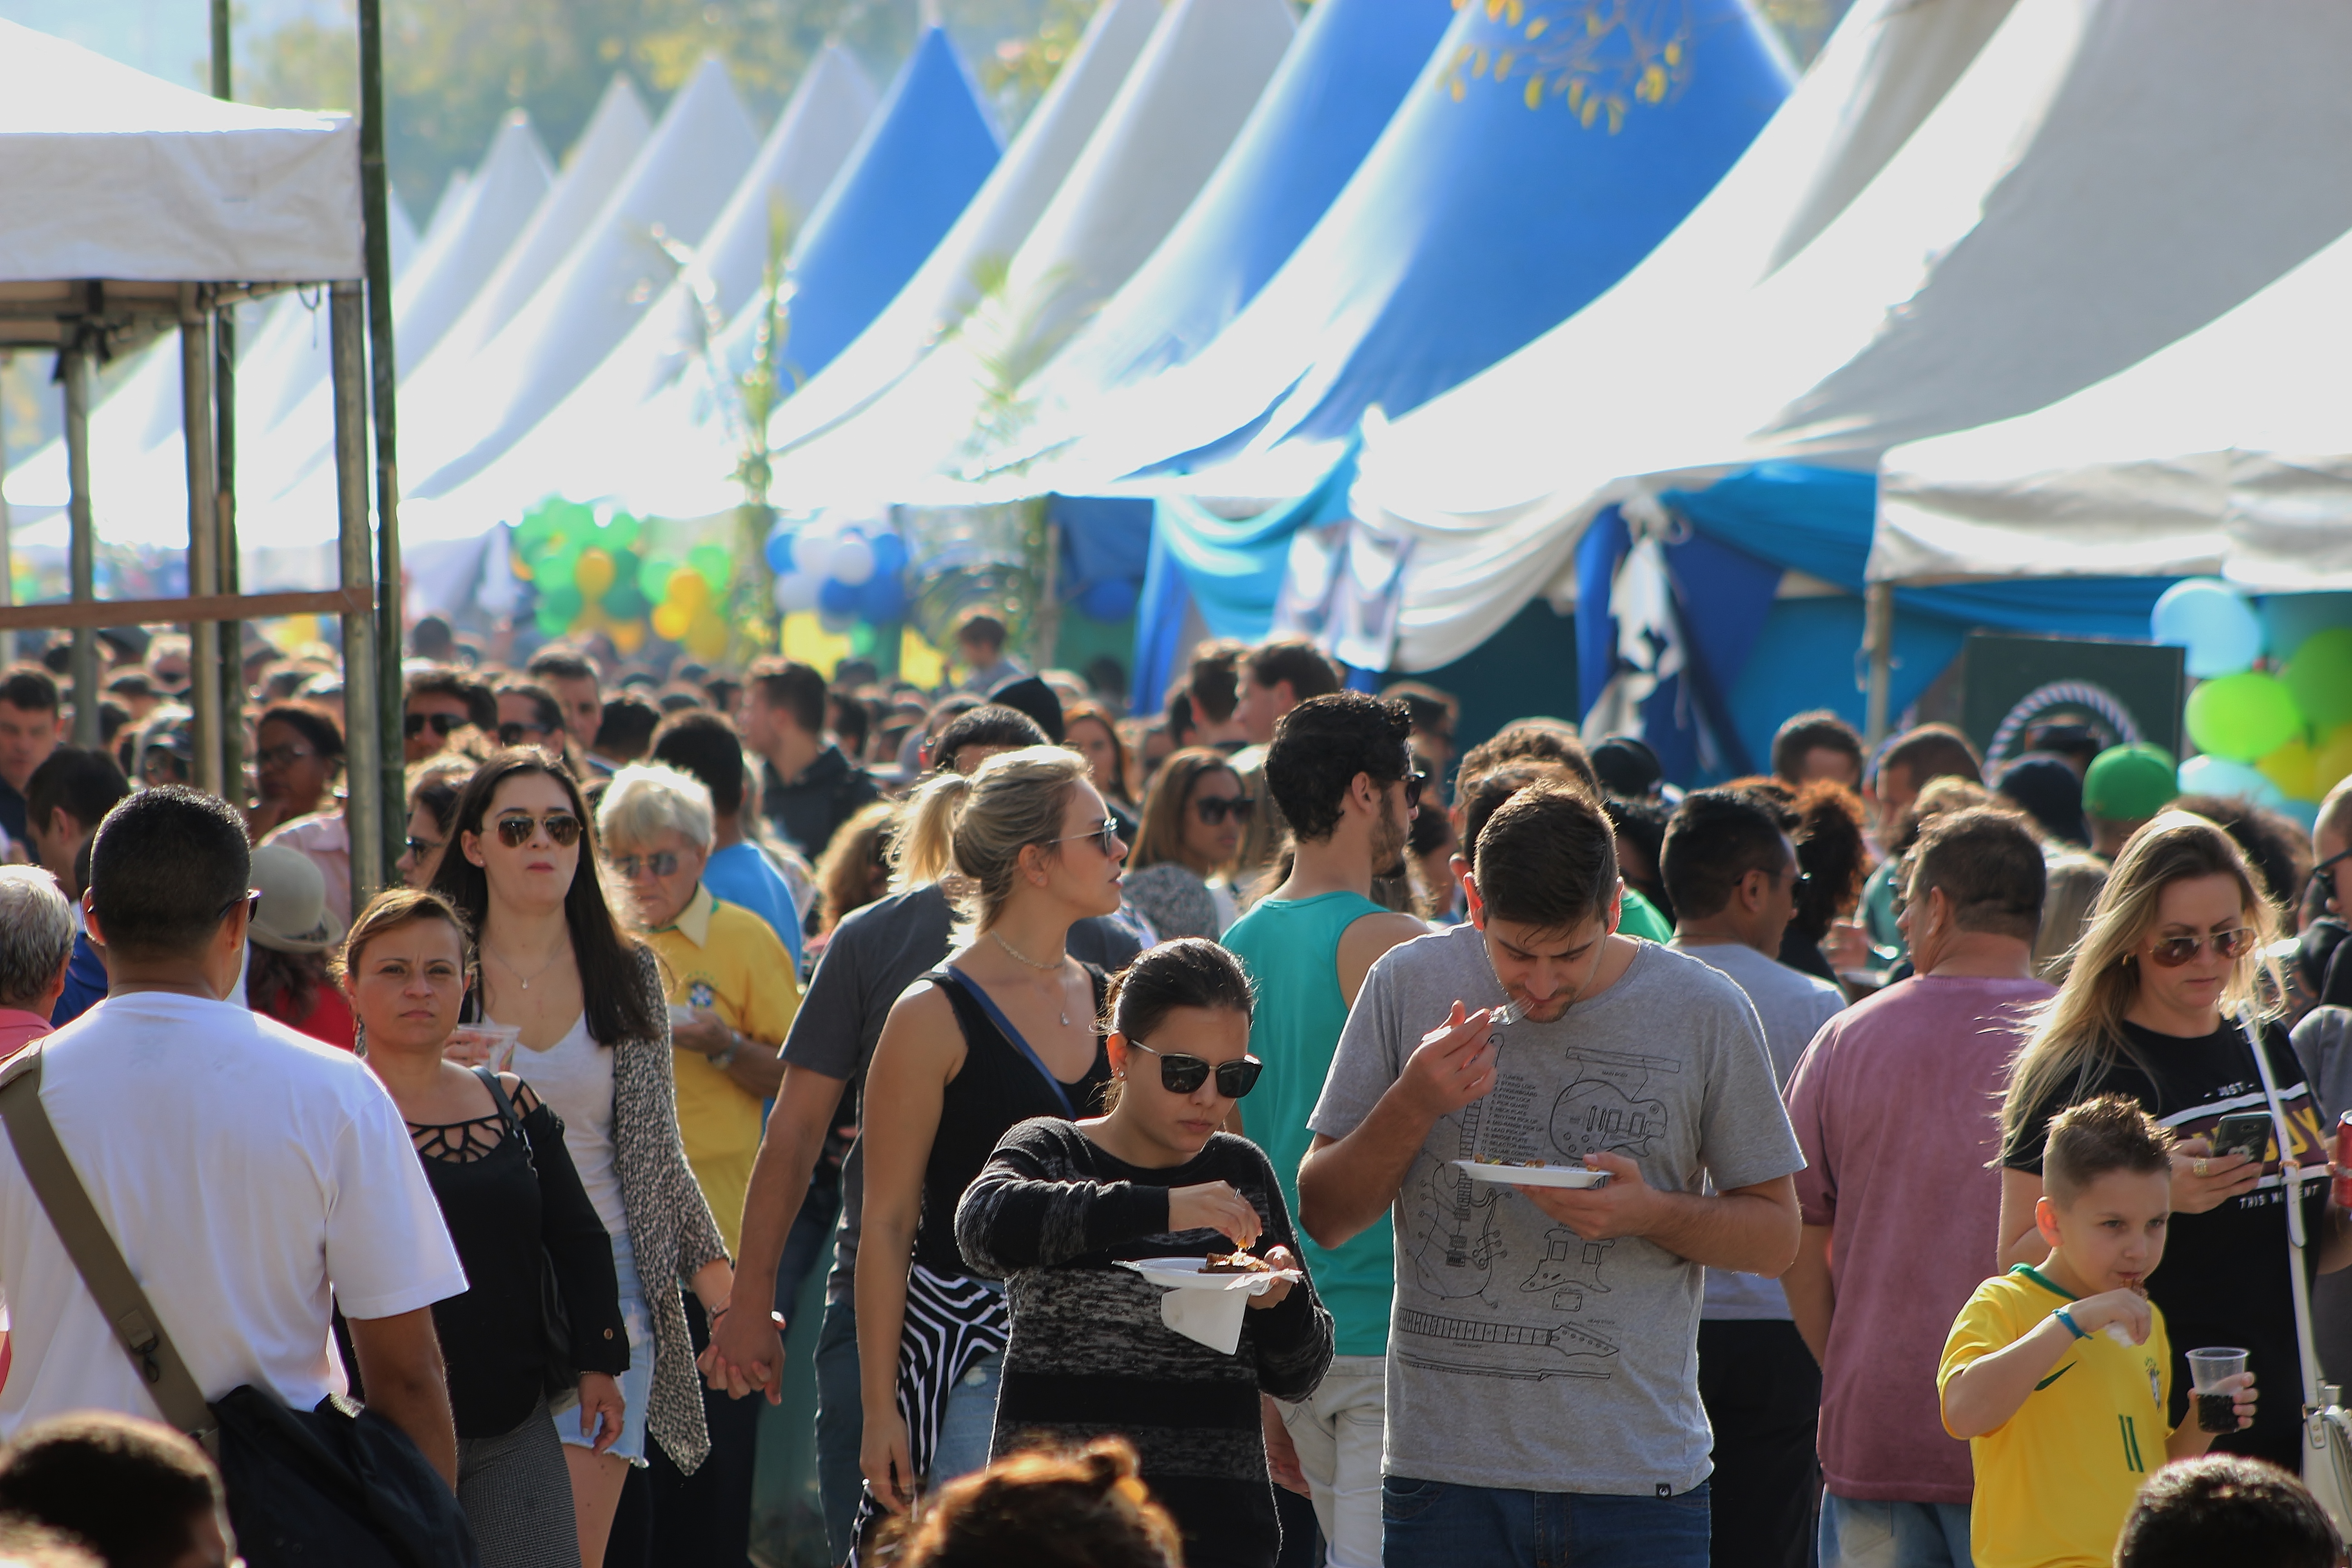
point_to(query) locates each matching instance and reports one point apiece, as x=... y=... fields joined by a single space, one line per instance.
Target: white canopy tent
x=128 y=205
x=2228 y=453
x=2054 y=218
x=1157 y=143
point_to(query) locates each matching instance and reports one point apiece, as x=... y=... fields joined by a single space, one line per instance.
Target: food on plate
x=1235 y=1263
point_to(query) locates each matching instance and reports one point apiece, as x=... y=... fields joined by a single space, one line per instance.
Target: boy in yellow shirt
x=2059 y=1377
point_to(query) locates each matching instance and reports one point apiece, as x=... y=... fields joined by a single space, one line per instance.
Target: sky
x=169 y=38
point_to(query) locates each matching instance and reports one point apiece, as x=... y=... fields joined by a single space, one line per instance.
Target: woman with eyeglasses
x=1193 y=818
x=585 y=995
x=1061 y=1206
x=1003 y=1031
x=434 y=787
x=298 y=754
x=2173 y=959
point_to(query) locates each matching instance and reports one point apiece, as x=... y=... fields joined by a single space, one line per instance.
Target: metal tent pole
x=374 y=198
x=204 y=535
x=73 y=365
x=1878 y=642
x=232 y=633
x=365 y=806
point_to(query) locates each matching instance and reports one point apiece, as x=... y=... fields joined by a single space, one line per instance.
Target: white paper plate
x=1185 y=1274
x=1536 y=1175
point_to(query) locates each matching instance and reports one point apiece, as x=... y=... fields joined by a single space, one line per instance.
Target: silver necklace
x=1062 y=1007
x=507 y=964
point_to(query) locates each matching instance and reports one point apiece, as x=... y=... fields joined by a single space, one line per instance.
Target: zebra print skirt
x=952 y=1321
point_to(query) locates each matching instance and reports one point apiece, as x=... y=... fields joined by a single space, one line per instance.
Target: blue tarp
x=1545 y=150
x=922 y=157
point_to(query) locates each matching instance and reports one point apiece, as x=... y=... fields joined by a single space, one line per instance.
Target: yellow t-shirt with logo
x=2056 y=1481
x=724 y=958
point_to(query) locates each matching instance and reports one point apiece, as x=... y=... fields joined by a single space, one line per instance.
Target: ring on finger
x=2201 y=1166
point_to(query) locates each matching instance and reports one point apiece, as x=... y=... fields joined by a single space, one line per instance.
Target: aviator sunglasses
x=2175 y=950
x=516 y=831
x=1181 y=1074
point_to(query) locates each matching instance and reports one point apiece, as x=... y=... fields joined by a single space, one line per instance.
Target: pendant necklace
x=1020 y=957
x=507 y=964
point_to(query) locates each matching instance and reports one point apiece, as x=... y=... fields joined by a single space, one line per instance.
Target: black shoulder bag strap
x=96 y=1256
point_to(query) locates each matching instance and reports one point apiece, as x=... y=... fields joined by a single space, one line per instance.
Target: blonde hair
x=967 y=833
x=2080 y=1031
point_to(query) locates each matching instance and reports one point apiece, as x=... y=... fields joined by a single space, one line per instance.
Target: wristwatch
x=734 y=1043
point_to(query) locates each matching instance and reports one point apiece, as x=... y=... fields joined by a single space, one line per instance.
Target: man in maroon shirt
x=1893 y=1105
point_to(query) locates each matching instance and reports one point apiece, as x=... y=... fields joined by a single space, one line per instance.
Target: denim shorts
x=636 y=1386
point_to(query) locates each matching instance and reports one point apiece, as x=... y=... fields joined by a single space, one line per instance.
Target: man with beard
x=1541 y=1384
x=1340 y=770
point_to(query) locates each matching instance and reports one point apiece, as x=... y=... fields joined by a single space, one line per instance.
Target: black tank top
x=998 y=1088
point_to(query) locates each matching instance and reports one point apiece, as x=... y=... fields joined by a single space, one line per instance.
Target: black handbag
x=560 y=1375
x=337 y=1486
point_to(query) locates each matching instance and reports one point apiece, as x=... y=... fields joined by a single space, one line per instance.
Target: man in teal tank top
x=1339 y=769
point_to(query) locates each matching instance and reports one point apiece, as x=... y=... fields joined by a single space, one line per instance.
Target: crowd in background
x=698 y=980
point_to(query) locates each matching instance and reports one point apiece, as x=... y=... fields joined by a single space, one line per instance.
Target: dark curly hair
x=1322 y=744
x=1047 y=1509
x=1830 y=848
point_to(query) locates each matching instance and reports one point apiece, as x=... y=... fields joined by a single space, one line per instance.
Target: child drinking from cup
x=2059 y=1377
x=1059 y=1203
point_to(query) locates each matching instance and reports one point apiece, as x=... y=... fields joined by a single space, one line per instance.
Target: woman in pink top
x=36 y=934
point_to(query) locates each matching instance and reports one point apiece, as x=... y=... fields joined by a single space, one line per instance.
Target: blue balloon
x=883 y=597
x=890 y=554
x=837 y=599
x=780 y=549
x=2213 y=622
x=1109 y=599
x=2219 y=775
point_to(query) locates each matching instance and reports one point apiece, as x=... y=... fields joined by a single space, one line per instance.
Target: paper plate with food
x=1534 y=1173
x=1242 y=1272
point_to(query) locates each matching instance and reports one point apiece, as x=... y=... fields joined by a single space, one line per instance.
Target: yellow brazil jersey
x=2054 y=1482
x=724 y=958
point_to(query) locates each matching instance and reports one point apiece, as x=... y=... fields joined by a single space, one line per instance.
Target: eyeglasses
x=2319 y=873
x=282 y=756
x=250 y=897
x=1212 y=808
x=1181 y=1074
x=516 y=831
x=160 y=766
x=512 y=734
x=662 y=865
x=412 y=724
x=1106 y=838
x=421 y=847
x=2175 y=950
x=1414 y=783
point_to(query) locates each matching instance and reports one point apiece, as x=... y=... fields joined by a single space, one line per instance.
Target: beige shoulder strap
x=94 y=1252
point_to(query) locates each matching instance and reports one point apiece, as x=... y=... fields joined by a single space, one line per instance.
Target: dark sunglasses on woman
x=1181 y=1074
x=2173 y=952
x=1214 y=808
x=513 y=735
x=516 y=831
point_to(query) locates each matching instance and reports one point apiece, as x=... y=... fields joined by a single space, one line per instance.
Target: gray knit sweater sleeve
x=1030 y=1206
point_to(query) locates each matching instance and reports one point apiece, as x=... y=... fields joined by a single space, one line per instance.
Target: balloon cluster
x=596 y=572
x=847 y=574
x=2282 y=740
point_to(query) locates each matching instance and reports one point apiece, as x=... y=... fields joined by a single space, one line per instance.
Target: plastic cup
x=496 y=1041
x=2216 y=1412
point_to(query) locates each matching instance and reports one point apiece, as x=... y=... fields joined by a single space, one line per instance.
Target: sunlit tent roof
x=2055 y=219
x=571 y=451
x=457 y=424
x=2228 y=453
x=1488 y=210
x=1172 y=120
x=1334 y=90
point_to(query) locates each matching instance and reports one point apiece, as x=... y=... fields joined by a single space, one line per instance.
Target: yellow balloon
x=2292 y=767
x=707 y=638
x=2332 y=764
x=918 y=662
x=628 y=636
x=595 y=573
x=688 y=591
x=670 y=623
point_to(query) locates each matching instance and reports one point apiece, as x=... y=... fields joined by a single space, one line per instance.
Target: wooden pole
x=203 y=536
x=366 y=805
x=1878 y=641
x=374 y=198
x=83 y=550
x=232 y=631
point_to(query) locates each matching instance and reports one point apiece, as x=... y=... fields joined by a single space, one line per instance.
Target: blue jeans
x=1441 y=1524
x=1859 y=1534
x=840 y=1425
x=969 y=1423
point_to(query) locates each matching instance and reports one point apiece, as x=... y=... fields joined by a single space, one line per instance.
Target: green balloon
x=549 y=622
x=565 y=604
x=556 y=569
x=621 y=530
x=653 y=578
x=713 y=562
x=622 y=602
x=2320 y=675
x=2243 y=716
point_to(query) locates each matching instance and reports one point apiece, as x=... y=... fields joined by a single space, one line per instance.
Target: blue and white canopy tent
x=2049 y=222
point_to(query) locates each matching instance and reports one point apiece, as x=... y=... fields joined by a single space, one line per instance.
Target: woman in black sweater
x=494 y=1155
x=1059 y=1204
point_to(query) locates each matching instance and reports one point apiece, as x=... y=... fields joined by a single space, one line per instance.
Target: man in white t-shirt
x=1731 y=872
x=252 y=1177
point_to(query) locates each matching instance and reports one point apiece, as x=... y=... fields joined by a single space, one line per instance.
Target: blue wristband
x=2067 y=1317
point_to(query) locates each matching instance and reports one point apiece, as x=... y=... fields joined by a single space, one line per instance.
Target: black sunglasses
x=662 y=865
x=512 y=734
x=2319 y=873
x=1213 y=807
x=421 y=847
x=1414 y=783
x=412 y=724
x=516 y=831
x=1181 y=1074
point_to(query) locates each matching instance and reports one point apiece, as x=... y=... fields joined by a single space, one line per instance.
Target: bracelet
x=2066 y=1317
x=734 y=1043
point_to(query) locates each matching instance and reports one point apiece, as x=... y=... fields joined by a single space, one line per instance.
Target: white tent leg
x=73 y=360
x=204 y=537
x=362 y=732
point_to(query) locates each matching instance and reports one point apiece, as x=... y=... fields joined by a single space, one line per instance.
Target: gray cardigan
x=670 y=1227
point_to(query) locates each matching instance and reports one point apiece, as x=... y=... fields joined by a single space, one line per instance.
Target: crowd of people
x=1259 y=1133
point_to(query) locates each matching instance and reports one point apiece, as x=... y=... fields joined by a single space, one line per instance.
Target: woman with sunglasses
x=586 y=996
x=1003 y=1031
x=1060 y=1205
x=1193 y=818
x=2150 y=1006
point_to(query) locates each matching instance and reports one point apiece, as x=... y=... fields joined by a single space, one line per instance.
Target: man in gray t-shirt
x=1544 y=1339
